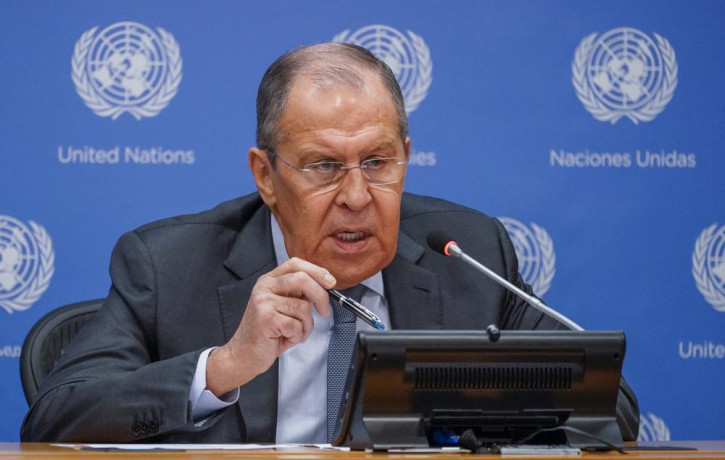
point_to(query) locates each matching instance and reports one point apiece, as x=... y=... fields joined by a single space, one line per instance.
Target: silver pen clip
x=357 y=309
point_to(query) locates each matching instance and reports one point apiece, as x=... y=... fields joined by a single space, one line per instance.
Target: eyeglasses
x=329 y=174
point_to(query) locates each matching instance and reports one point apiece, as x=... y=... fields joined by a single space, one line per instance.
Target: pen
x=357 y=309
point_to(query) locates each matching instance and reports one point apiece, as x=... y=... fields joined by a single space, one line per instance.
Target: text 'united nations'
x=131 y=155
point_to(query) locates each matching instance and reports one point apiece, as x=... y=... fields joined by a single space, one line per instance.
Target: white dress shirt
x=302 y=390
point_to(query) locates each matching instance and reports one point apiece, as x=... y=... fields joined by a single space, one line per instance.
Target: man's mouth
x=350 y=236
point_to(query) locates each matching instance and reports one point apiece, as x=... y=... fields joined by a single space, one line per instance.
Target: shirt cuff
x=204 y=402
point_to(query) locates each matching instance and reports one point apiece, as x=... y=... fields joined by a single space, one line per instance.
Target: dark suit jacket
x=181 y=285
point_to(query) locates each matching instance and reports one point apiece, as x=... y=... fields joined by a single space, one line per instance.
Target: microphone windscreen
x=438 y=240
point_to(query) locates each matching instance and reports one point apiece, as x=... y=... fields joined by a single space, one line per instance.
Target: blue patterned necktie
x=339 y=354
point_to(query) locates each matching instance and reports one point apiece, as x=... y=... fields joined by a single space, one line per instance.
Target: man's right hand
x=278 y=316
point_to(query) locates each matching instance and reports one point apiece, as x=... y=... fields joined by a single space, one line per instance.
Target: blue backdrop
x=594 y=128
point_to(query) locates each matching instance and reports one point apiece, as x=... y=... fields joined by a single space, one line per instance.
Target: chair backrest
x=44 y=343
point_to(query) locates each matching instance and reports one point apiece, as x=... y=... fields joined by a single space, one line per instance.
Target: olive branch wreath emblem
x=603 y=113
x=103 y=108
x=424 y=76
x=699 y=269
x=40 y=282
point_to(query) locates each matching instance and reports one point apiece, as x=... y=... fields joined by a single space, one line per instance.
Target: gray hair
x=328 y=64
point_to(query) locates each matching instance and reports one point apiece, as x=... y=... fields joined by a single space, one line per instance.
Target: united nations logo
x=407 y=56
x=535 y=252
x=708 y=265
x=623 y=73
x=126 y=67
x=26 y=263
x=652 y=428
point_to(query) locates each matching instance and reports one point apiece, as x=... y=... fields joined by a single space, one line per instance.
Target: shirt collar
x=374 y=283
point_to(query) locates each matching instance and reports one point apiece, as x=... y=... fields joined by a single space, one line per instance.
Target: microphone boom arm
x=456 y=251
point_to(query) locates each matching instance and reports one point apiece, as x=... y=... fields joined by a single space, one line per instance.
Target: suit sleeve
x=110 y=385
x=519 y=315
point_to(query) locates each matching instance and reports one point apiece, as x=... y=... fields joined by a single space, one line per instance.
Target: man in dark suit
x=217 y=324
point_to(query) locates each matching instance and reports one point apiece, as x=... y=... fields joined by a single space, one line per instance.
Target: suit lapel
x=251 y=256
x=413 y=292
x=413 y=295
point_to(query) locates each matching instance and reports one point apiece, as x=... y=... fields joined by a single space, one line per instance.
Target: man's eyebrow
x=386 y=145
x=316 y=154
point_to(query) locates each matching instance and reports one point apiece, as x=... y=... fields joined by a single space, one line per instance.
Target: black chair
x=44 y=343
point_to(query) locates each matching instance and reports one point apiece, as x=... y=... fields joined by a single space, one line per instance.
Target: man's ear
x=407 y=148
x=262 y=171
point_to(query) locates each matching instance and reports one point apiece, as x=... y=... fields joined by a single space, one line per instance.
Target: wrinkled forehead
x=337 y=106
x=343 y=78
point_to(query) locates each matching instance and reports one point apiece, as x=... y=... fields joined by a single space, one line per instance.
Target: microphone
x=444 y=244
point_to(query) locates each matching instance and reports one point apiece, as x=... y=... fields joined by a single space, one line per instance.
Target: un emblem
x=26 y=263
x=407 y=56
x=652 y=428
x=535 y=252
x=708 y=265
x=623 y=73
x=126 y=67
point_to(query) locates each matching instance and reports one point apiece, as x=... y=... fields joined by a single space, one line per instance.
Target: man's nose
x=354 y=190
